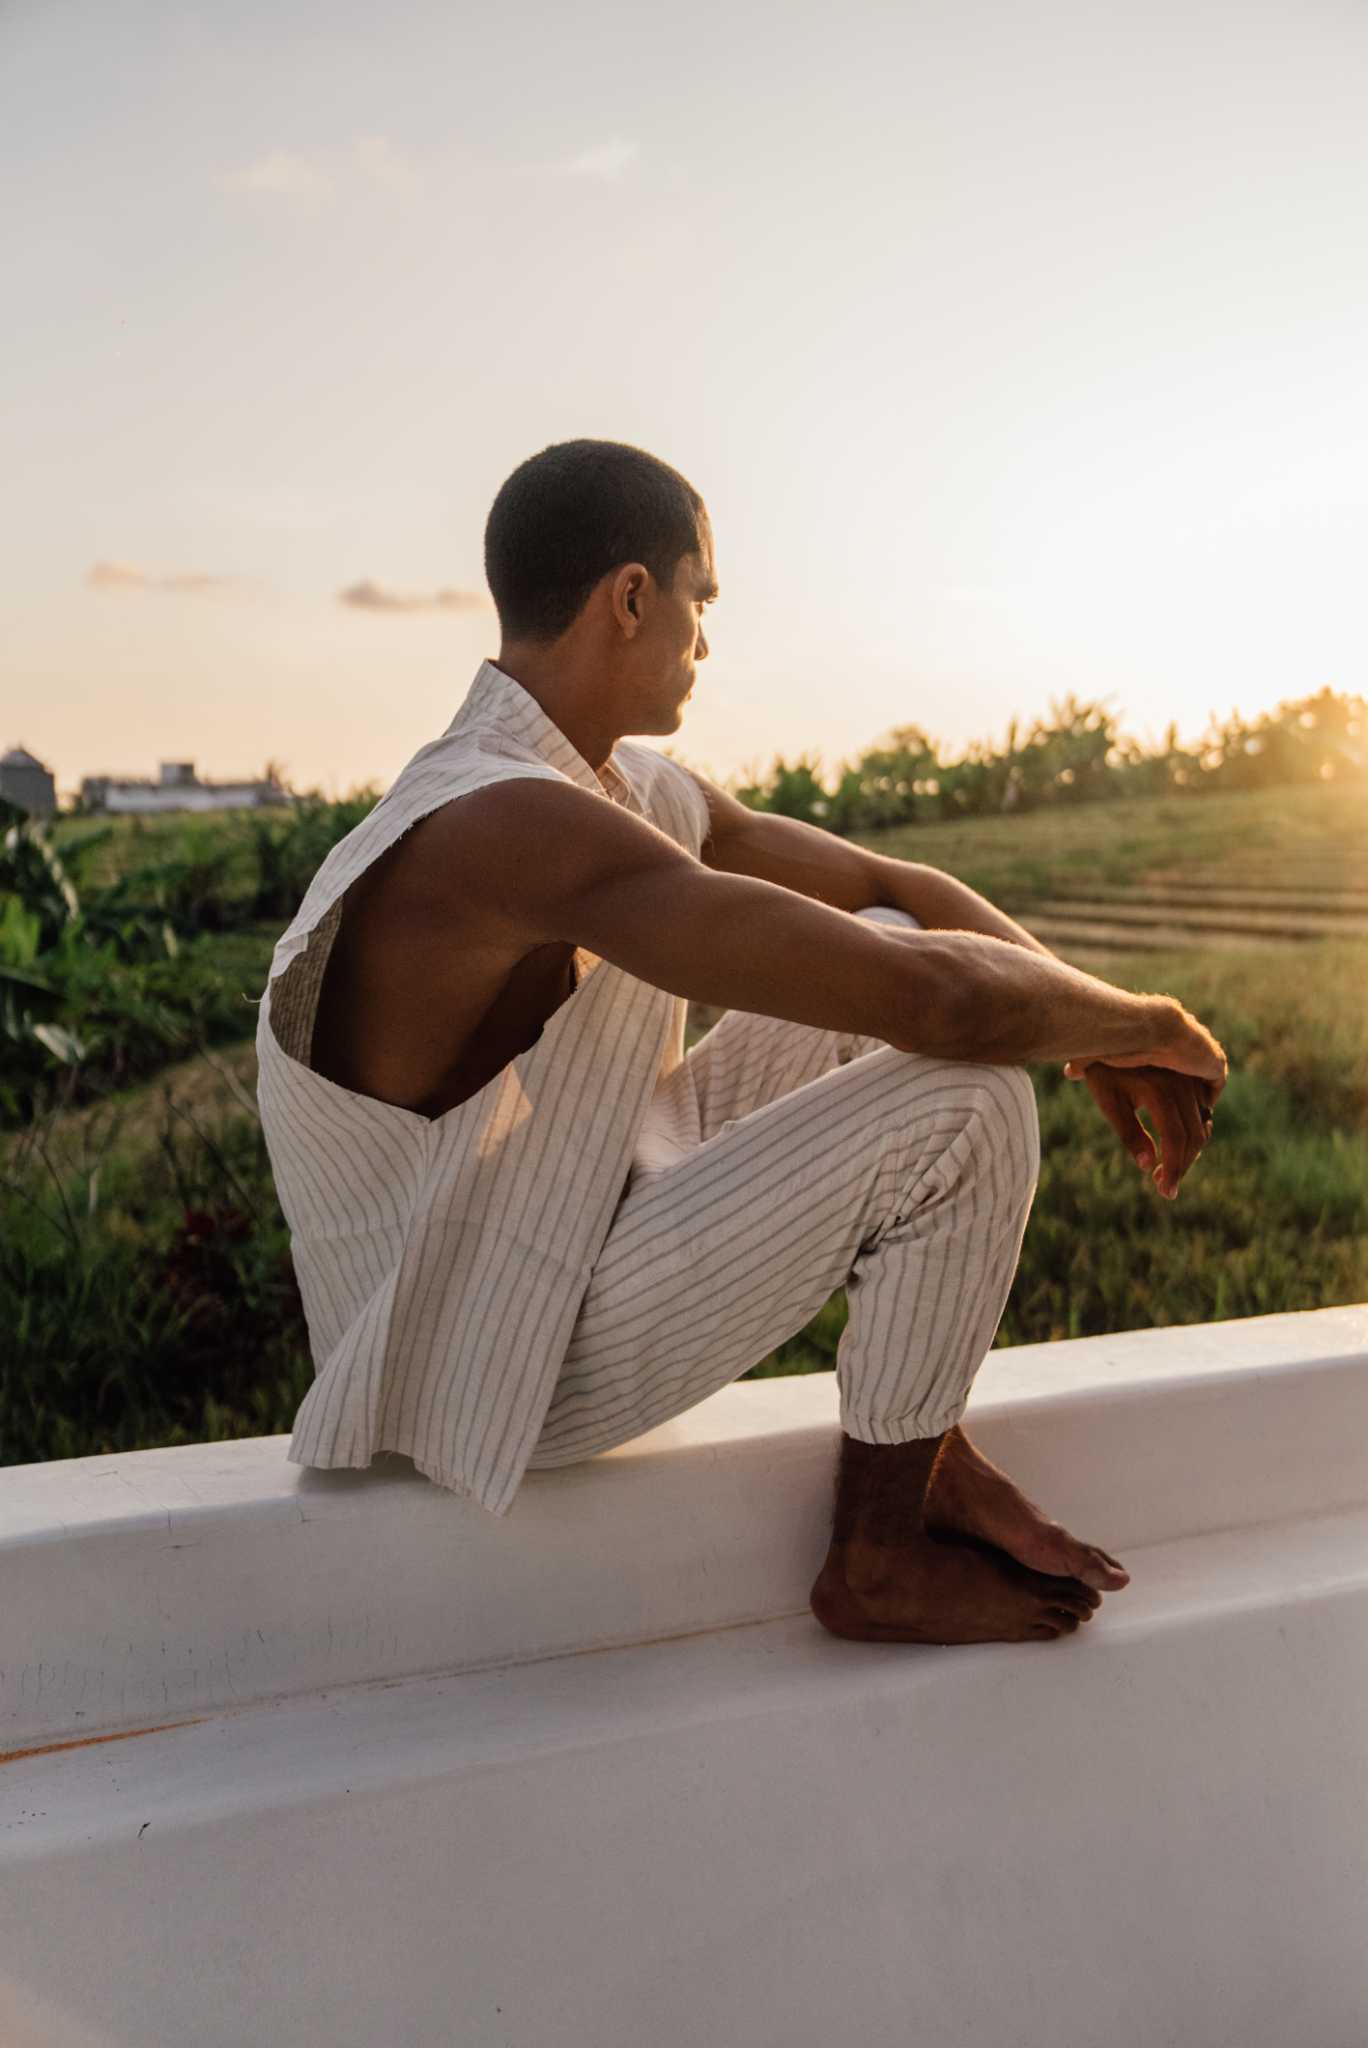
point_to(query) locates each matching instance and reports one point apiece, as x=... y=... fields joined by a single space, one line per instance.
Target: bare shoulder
x=502 y=814
x=476 y=846
x=513 y=848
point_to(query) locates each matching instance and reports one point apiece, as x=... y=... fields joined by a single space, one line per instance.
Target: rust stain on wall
x=14 y=1756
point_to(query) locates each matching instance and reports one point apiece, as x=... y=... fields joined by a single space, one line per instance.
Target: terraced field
x=1165 y=912
x=1220 y=874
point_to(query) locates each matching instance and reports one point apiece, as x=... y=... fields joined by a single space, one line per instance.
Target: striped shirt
x=442 y=1260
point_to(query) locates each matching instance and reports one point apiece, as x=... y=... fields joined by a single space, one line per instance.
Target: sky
x=1015 y=350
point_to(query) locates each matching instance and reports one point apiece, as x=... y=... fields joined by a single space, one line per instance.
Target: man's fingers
x=1119 y=1111
x=1180 y=1142
x=1133 y=1135
x=1197 y=1127
x=1178 y=1109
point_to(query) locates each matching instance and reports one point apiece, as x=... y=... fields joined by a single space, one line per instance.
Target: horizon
x=825 y=767
x=1014 y=355
x=828 y=770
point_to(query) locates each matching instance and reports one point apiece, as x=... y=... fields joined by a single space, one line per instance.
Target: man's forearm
x=1015 y=1005
x=941 y=903
x=1011 y=1011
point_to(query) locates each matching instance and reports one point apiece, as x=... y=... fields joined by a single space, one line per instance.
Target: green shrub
x=150 y=1299
x=164 y=948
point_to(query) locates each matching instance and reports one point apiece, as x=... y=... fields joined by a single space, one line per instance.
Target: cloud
x=283 y=172
x=606 y=160
x=320 y=174
x=377 y=160
x=369 y=596
x=125 y=576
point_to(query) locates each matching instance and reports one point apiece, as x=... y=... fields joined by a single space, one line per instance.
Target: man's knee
x=1007 y=1117
x=1001 y=1098
x=987 y=1123
x=888 y=913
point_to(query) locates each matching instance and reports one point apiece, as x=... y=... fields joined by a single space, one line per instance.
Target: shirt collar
x=496 y=698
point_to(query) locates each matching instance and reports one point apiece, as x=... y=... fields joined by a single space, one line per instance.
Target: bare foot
x=970 y=1496
x=920 y=1591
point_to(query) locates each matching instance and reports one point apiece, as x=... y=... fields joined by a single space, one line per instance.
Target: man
x=528 y=1226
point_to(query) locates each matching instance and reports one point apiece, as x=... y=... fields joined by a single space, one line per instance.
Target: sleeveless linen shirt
x=442 y=1260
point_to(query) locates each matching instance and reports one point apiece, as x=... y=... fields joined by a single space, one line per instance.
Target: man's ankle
x=881 y=1490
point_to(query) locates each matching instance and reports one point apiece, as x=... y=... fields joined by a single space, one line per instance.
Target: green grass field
x=122 y=843
x=1262 y=835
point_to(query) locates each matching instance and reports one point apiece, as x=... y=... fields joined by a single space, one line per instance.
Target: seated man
x=528 y=1226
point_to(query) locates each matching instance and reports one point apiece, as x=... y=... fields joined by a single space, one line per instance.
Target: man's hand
x=1186 y=1047
x=1179 y=1107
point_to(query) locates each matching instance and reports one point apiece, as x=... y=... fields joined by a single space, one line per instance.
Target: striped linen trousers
x=813 y=1159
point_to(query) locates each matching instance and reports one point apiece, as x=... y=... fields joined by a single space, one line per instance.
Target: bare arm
x=943 y=903
x=819 y=864
x=834 y=870
x=547 y=863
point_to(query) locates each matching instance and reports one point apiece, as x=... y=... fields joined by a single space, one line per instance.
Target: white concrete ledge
x=162 y=1585
x=1152 y=1832
x=232 y=1807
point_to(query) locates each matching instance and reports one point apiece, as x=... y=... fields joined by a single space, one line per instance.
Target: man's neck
x=567 y=700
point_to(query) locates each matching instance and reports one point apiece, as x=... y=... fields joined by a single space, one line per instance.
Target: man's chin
x=673 y=709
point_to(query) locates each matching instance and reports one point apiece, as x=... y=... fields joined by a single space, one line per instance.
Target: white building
x=177 y=788
x=26 y=782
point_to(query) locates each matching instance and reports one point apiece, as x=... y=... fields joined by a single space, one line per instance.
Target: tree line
x=1078 y=754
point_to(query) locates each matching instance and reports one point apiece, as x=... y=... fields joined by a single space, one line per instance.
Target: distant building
x=26 y=782
x=177 y=788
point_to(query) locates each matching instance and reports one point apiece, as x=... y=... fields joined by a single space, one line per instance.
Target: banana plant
x=31 y=872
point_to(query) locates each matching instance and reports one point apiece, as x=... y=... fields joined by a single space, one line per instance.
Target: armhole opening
x=295 y=990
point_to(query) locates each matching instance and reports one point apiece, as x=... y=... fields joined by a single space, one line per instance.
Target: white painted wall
x=145 y=799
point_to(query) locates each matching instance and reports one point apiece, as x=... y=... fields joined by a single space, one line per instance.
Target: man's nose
x=701 y=649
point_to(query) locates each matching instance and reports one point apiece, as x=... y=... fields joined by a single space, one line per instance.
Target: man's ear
x=628 y=586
